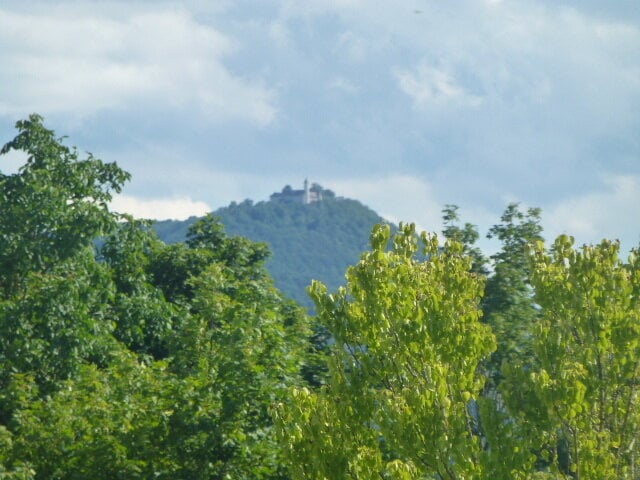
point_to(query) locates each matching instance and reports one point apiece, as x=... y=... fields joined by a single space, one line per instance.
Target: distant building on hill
x=308 y=194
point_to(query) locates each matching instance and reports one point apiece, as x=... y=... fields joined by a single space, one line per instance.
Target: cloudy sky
x=405 y=105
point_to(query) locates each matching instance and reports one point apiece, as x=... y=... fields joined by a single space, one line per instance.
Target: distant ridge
x=310 y=236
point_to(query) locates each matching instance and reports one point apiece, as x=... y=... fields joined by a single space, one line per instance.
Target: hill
x=316 y=236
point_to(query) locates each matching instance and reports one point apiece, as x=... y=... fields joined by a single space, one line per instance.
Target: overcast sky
x=403 y=105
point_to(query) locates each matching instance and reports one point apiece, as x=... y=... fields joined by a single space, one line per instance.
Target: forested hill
x=318 y=240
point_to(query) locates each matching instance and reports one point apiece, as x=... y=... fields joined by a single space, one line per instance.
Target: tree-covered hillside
x=308 y=241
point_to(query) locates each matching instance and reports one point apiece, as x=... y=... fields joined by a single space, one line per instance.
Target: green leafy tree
x=249 y=343
x=19 y=471
x=60 y=321
x=583 y=394
x=512 y=449
x=148 y=361
x=467 y=235
x=103 y=424
x=173 y=266
x=145 y=320
x=508 y=305
x=54 y=297
x=402 y=373
x=319 y=240
x=201 y=413
x=53 y=207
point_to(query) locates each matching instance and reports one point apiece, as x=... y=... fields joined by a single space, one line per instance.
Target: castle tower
x=306 y=199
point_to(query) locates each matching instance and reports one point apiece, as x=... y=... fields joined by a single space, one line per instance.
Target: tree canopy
x=122 y=356
x=126 y=357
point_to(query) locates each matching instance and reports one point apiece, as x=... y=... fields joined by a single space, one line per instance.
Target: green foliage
x=508 y=301
x=53 y=207
x=315 y=241
x=60 y=321
x=402 y=372
x=144 y=319
x=104 y=424
x=249 y=342
x=587 y=345
x=245 y=257
x=467 y=236
x=145 y=360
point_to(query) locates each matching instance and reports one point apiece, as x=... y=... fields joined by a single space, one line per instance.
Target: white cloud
x=81 y=63
x=279 y=34
x=321 y=7
x=159 y=209
x=351 y=45
x=428 y=85
x=554 y=91
x=590 y=217
x=343 y=85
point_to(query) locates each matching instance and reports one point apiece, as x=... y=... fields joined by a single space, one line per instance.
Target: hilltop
x=312 y=234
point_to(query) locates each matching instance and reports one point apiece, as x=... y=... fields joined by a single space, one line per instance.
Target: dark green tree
x=55 y=206
x=144 y=317
x=138 y=360
x=466 y=235
x=54 y=297
x=508 y=305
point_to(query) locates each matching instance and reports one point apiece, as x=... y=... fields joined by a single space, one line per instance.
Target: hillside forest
x=125 y=357
x=317 y=240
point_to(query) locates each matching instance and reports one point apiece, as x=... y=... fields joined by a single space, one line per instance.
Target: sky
x=405 y=105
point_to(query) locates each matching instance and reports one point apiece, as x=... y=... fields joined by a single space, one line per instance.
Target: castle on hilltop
x=307 y=195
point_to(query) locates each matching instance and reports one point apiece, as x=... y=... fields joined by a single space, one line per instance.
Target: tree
x=467 y=236
x=508 y=305
x=55 y=206
x=53 y=295
x=583 y=392
x=202 y=412
x=402 y=373
x=319 y=240
x=145 y=319
x=61 y=321
x=103 y=424
x=249 y=344
x=138 y=360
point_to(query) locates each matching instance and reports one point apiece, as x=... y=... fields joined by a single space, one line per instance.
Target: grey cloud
x=484 y=101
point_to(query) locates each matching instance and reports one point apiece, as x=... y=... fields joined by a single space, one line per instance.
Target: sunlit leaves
x=403 y=368
x=587 y=345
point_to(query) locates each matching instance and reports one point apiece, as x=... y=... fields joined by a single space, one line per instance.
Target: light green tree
x=403 y=369
x=582 y=396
